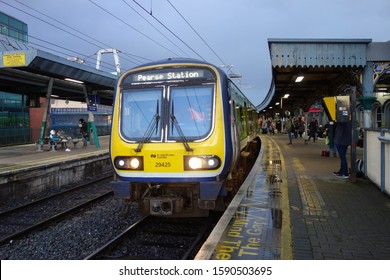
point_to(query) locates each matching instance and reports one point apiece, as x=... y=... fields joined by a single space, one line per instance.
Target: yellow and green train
x=183 y=137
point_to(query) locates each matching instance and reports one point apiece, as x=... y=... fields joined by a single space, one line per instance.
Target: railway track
x=158 y=238
x=18 y=222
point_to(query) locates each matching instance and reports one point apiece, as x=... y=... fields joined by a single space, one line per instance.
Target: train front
x=167 y=142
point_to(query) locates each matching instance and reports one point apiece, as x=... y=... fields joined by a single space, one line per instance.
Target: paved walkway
x=24 y=156
x=332 y=218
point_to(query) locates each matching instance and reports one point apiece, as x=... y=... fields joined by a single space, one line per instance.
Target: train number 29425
x=163 y=164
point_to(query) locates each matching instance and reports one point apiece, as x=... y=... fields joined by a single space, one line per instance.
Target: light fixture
x=286 y=95
x=74 y=81
x=299 y=79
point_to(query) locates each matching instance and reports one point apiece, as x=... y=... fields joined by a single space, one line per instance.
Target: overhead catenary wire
x=135 y=29
x=40 y=19
x=103 y=45
x=131 y=57
x=173 y=33
x=106 y=66
x=70 y=27
x=46 y=42
x=166 y=37
x=204 y=41
x=137 y=57
x=76 y=30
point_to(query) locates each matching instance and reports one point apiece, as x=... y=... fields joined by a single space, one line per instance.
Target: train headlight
x=207 y=162
x=195 y=163
x=129 y=163
x=134 y=163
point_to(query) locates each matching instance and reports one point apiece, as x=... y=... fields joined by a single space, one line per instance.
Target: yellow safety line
x=286 y=233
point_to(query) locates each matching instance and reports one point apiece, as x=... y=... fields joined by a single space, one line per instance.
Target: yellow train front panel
x=183 y=135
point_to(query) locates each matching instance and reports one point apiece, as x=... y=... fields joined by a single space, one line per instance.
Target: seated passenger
x=53 y=137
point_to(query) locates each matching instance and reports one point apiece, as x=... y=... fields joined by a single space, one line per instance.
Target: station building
x=14 y=113
x=22 y=91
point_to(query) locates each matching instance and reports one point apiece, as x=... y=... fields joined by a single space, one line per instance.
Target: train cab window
x=140 y=114
x=191 y=108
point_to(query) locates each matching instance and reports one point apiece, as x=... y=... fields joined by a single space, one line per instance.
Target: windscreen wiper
x=178 y=128
x=149 y=131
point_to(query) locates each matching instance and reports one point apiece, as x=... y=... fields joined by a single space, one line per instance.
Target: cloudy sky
x=233 y=33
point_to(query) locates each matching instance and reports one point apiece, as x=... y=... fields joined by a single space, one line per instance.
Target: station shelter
x=30 y=81
x=305 y=71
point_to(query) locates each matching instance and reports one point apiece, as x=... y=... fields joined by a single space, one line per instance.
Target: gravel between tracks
x=74 y=238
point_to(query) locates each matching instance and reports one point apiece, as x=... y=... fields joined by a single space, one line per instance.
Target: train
x=183 y=137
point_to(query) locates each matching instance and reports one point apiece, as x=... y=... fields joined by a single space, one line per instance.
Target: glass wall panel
x=13 y=28
x=14 y=120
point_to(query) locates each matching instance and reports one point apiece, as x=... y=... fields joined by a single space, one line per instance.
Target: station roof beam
x=28 y=71
x=324 y=64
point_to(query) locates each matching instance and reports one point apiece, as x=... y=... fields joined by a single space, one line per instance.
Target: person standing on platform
x=301 y=127
x=342 y=140
x=289 y=128
x=313 y=125
x=84 y=131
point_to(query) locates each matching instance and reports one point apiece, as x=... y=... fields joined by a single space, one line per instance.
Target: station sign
x=169 y=75
x=338 y=108
x=14 y=59
x=92 y=107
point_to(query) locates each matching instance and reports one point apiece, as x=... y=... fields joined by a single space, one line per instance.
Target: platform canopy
x=27 y=71
x=323 y=65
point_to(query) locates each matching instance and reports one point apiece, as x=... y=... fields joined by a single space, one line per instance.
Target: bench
x=63 y=142
x=73 y=140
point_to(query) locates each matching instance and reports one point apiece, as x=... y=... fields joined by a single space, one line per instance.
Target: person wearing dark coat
x=313 y=125
x=84 y=131
x=342 y=140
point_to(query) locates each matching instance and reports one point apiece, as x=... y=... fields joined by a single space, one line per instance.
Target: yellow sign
x=330 y=103
x=14 y=59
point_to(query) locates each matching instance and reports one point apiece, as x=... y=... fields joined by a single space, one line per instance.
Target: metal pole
x=352 y=177
x=91 y=119
x=306 y=118
x=45 y=113
x=331 y=138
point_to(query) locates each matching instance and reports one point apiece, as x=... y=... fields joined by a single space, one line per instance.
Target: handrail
x=383 y=139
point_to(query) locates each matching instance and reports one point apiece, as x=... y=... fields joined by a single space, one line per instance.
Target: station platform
x=18 y=157
x=292 y=206
x=26 y=169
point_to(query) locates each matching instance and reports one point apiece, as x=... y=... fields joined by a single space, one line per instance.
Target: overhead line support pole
x=46 y=112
